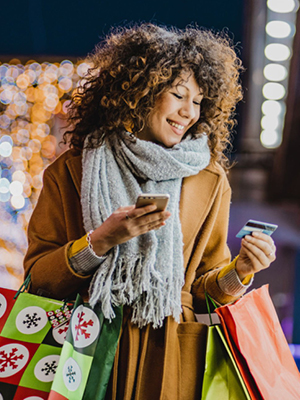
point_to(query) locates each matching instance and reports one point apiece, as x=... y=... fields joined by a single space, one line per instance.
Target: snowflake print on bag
x=85 y=326
x=13 y=358
x=63 y=329
x=82 y=326
x=31 y=320
x=72 y=375
x=9 y=359
x=3 y=305
x=45 y=369
x=59 y=334
x=50 y=368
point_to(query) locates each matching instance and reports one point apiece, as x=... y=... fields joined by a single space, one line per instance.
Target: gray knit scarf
x=147 y=271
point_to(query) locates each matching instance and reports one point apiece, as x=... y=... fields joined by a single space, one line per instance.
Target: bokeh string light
x=33 y=97
x=280 y=30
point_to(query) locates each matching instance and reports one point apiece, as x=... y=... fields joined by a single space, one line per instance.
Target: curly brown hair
x=134 y=65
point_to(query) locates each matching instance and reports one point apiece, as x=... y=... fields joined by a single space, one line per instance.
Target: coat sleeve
x=49 y=238
x=216 y=254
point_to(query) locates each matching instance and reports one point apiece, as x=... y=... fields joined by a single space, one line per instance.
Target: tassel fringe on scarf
x=147 y=271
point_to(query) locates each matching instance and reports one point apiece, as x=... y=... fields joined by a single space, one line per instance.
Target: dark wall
x=72 y=28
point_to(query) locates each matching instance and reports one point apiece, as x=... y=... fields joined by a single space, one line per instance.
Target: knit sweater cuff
x=230 y=282
x=82 y=258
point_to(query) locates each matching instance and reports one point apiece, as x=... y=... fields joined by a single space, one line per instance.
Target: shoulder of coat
x=68 y=156
x=215 y=169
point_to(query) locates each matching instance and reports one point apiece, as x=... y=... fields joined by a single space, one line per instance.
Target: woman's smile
x=176 y=125
x=175 y=112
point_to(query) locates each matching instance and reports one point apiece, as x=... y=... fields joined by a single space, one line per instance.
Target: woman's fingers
x=126 y=223
x=257 y=256
x=261 y=246
x=129 y=222
x=257 y=252
x=141 y=211
x=155 y=218
x=263 y=242
x=151 y=227
x=131 y=212
x=144 y=215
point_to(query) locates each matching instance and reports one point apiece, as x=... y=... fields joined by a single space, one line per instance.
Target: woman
x=153 y=115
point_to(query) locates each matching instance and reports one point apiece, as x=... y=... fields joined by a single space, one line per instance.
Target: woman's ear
x=128 y=125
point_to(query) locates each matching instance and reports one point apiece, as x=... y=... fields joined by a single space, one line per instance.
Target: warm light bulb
x=5 y=149
x=269 y=122
x=275 y=72
x=278 y=29
x=281 y=6
x=273 y=91
x=277 y=52
x=270 y=139
x=16 y=188
x=272 y=107
x=17 y=202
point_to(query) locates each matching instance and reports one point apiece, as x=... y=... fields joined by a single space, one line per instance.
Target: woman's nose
x=188 y=110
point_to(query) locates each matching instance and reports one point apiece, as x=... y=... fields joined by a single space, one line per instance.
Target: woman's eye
x=178 y=96
x=198 y=103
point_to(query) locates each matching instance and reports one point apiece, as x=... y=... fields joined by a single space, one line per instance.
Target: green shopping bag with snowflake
x=87 y=355
x=29 y=345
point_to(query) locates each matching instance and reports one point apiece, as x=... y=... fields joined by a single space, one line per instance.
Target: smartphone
x=256 y=226
x=161 y=200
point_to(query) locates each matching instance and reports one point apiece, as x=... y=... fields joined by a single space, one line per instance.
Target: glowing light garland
x=280 y=31
x=33 y=97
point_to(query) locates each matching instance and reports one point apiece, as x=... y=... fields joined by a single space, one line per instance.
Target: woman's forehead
x=187 y=80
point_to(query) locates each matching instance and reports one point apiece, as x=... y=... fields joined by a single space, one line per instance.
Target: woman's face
x=175 y=111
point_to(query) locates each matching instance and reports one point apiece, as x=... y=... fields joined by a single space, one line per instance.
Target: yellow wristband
x=78 y=246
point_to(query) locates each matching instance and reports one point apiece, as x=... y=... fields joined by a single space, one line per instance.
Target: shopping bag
x=222 y=379
x=87 y=355
x=29 y=346
x=260 y=348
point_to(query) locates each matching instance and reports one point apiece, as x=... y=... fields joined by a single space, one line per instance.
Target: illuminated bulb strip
x=275 y=72
x=282 y=6
x=272 y=107
x=270 y=139
x=278 y=27
x=277 y=52
x=273 y=91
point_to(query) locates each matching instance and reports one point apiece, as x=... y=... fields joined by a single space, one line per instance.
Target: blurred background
x=42 y=58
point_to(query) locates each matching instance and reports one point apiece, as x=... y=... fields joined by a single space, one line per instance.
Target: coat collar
x=74 y=167
x=197 y=194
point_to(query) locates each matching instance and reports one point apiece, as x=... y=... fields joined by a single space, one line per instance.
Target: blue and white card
x=256 y=226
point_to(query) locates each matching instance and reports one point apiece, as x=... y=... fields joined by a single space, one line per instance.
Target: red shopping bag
x=260 y=347
x=29 y=345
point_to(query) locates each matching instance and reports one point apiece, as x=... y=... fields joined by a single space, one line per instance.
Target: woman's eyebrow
x=180 y=84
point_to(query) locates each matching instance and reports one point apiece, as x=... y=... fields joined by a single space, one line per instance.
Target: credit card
x=256 y=226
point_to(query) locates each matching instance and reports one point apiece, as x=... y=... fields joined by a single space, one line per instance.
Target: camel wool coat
x=150 y=364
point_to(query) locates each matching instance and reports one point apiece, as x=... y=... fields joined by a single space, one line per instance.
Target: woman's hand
x=124 y=224
x=257 y=252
